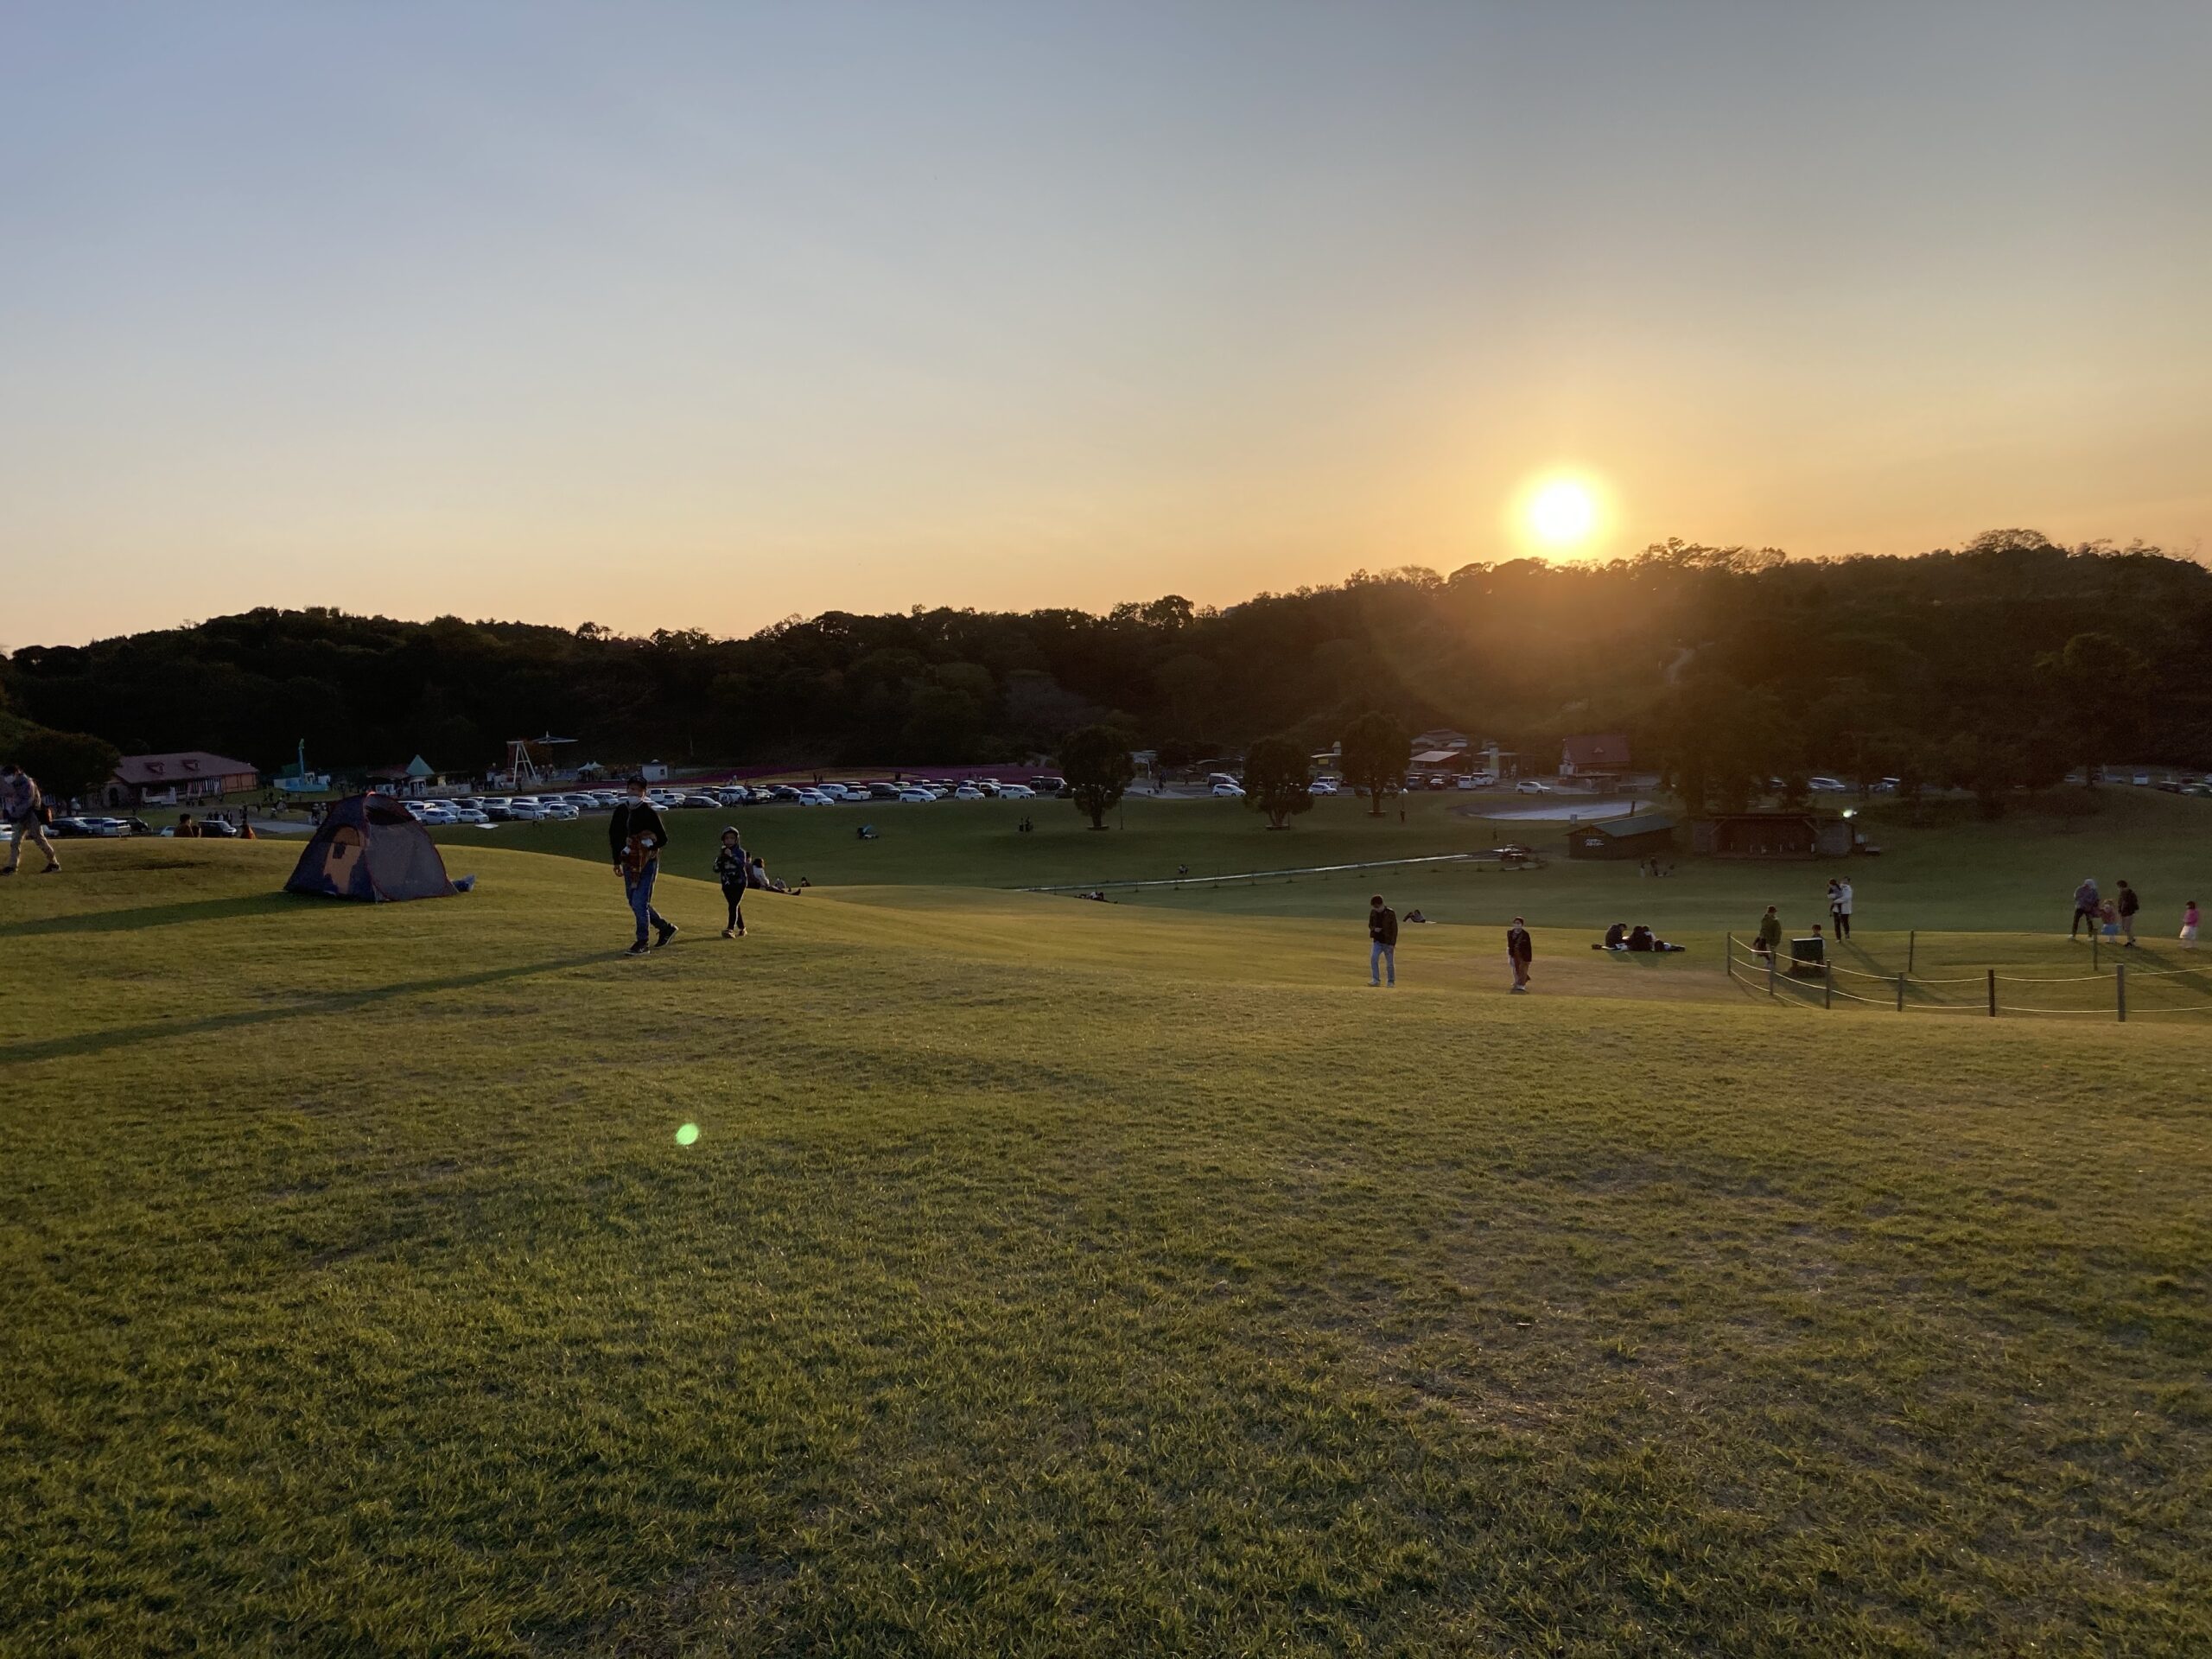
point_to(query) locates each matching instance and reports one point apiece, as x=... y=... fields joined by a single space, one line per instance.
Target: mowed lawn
x=1955 y=872
x=1060 y=1278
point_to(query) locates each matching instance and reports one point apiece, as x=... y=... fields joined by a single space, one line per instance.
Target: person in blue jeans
x=1382 y=941
x=637 y=835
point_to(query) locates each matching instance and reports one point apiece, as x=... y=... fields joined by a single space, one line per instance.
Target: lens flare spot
x=687 y=1135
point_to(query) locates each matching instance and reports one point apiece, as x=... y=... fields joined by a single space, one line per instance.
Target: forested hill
x=2012 y=657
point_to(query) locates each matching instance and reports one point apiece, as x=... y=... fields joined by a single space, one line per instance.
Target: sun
x=1561 y=511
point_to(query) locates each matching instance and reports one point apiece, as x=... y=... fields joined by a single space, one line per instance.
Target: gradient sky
x=702 y=315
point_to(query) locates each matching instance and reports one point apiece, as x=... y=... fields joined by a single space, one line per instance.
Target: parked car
x=1016 y=792
x=967 y=792
x=526 y=809
x=919 y=796
x=1227 y=790
x=1532 y=787
x=1048 y=783
x=434 y=815
x=699 y=800
x=1828 y=785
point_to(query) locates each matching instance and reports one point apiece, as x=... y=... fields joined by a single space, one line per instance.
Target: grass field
x=1957 y=875
x=1052 y=1278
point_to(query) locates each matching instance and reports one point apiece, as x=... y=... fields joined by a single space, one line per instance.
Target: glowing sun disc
x=1562 y=512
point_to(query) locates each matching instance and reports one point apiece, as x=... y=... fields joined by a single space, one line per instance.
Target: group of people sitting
x=1621 y=937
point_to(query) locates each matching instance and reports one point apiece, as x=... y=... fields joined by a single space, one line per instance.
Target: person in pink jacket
x=2188 y=920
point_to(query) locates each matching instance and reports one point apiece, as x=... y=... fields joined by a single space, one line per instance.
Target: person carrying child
x=732 y=869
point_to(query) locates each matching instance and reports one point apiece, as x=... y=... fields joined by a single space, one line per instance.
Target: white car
x=919 y=796
x=1530 y=787
x=435 y=814
x=1016 y=792
x=967 y=792
x=525 y=808
x=1227 y=790
x=1828 y=785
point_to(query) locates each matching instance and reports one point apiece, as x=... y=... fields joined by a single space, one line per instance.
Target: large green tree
x=2102 y=684
x=1376 y=750
x=1096 y=762
x=1278 y=780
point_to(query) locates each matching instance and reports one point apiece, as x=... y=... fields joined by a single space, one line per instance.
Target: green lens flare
x=687 y=1135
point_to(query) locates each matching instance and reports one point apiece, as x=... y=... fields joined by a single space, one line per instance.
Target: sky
x=701 y=315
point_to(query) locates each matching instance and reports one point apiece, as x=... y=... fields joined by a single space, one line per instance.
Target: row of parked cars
x=558 y=806
x=80 y=827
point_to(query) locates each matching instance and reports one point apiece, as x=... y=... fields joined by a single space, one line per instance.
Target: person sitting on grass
x=1642 y=939
x=1615 y=938
x=1769 y=938
x=730 y=867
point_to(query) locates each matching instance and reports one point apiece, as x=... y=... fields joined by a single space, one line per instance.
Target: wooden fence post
x=1828 y=984
x=1911 y=947
x=2094 y=946
x=2120 y=990
x=1728 y=951
x=1769 y=973
x=1900 y=993
x=1993 y=993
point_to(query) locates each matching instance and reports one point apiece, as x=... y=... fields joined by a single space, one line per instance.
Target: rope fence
x=1815 y=981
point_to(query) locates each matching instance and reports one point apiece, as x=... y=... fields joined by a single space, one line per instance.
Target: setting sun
x=1561 y=512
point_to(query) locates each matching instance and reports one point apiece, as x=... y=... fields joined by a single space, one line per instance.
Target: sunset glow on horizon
x=659 y=317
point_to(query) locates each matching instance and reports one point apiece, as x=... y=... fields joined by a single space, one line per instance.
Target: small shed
x=1641 y=835
x=1771 y=835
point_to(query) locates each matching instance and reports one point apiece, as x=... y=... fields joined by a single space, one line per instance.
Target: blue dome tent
x=370 y=847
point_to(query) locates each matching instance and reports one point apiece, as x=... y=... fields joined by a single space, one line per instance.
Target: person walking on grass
x=24 y=809
x=733 y=869
x=1520 y=951
x=2130 y=902
x=2085 y=908
x=1382 y=941
x=638 y=836
x=2188 y=920
x=1839 y=909
x=1768 y=939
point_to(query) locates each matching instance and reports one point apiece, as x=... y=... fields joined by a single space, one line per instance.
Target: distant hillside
x=2003 y=662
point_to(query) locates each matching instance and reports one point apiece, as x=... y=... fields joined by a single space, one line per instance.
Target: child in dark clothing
x=731 y=868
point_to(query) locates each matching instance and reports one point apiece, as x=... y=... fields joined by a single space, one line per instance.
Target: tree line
x=2001 y=663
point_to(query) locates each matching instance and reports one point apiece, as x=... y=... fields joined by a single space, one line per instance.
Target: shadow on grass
x=145 y=915
x=308 y=1008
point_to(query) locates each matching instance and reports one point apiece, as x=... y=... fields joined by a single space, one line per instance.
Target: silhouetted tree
x=1278 y=780
x=1095 y=760
x=1376 y=750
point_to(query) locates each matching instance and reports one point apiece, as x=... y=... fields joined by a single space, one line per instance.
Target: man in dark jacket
x=1382 y=941
x=1521 y=951
x=2130 y=902
x=636 y=835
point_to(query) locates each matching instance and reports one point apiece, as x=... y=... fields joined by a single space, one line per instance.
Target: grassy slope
x=1959 y=875
x=1056 y=1279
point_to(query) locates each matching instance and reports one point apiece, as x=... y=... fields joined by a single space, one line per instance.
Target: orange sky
x=683 y=317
